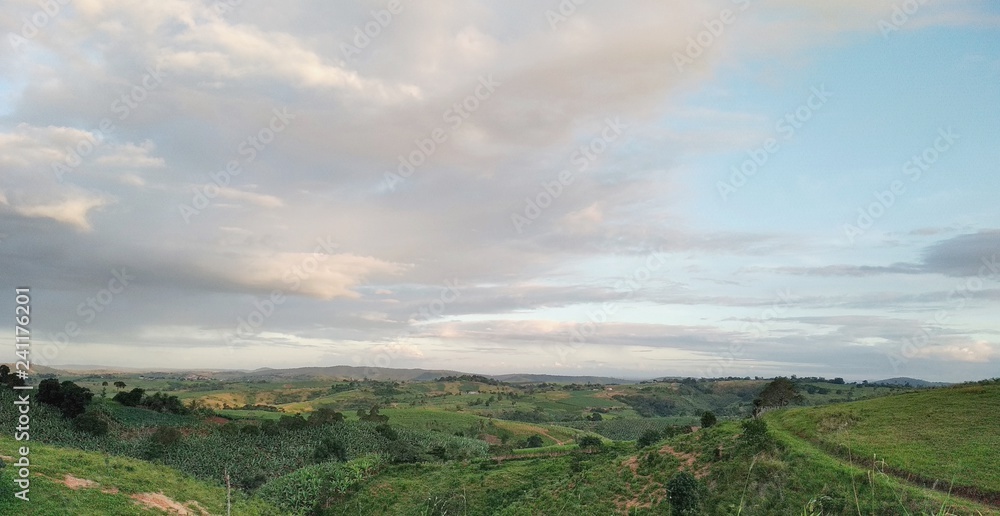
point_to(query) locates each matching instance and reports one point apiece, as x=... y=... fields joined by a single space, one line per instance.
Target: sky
x=667 y=188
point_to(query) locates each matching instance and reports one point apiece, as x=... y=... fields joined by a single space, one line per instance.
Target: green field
x=475 y=446
x=106 y=485
x=948 y=436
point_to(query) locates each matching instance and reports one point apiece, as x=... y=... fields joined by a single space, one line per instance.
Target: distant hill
x=552 y=378
x=913 y=382
x=338 y=373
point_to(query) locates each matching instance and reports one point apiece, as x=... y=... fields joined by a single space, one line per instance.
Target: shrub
x=591 y=441
x=329 y=448
x=68 y=397
x=92 y=423
x=755 y=436
x=166 y=436
x=131 y=398
x=682 y=491
x=534 y=441
x=708 y=419
x=647 y=438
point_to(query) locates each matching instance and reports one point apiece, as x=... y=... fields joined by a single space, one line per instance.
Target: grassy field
x=459 y=447
x=102 y=485
x=947 y=435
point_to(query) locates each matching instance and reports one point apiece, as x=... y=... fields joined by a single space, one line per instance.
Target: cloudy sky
x=747 y=187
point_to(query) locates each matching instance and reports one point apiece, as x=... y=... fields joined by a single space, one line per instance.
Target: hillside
x=68 y=481
x=947 y=437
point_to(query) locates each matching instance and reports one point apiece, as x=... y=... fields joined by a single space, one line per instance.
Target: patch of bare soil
x=171 y=506
x=79 y=483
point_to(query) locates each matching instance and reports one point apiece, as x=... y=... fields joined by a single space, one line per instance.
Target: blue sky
x=312 y=250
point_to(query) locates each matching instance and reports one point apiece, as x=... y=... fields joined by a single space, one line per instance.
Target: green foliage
x=325 y=416
x=534 y=441
x=330 y=448
x=91 y=422
x=372 y=415
x=708 y=419
x=682 y=492
x=779 y=393
x=68 y=397
x=130 y=399
x=755 y=436
x=647 y=438
x=292 y=423
x=649 y=405
x=630 y=428
x=591 y=441
x=315 y=487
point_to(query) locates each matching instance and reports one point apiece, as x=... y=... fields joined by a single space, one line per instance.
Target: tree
x=682 y=491
x=68 y=397
x=372 y=416
x=708 y=419
x=120 y=385
x=591 y=441
x=325 y=416
x=130 y=399
x=75 y=399
x=535 y=441
x=779 y=393
x=648 y=437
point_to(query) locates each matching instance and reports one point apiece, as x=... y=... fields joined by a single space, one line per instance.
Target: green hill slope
x=68 y=481
x=942 y=437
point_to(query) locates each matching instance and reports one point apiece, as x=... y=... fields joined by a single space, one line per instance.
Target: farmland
x=477 y=445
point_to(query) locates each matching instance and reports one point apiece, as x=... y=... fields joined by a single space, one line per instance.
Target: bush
x=591 y=441
x=68 y=397
x=755 y=436
x=92 y=423
x=534 y=441
x=682 y=491
x=329 y=448
x=131 y=398
x=708 y=419
x=647 y=438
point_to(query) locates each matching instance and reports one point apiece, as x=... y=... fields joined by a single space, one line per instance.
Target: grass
x=948 y=435
x=49 y=496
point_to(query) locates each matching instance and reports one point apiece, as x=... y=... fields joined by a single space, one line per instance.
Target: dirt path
x=546 y=434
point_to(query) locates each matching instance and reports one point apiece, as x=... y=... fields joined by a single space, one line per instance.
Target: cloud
x=316 y=275
x=72 y=210
x=973 y=254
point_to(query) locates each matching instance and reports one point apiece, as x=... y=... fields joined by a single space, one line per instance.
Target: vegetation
x=444 y=447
